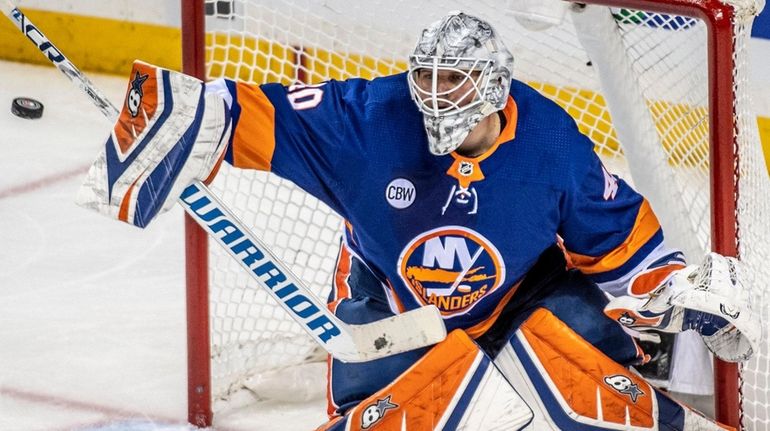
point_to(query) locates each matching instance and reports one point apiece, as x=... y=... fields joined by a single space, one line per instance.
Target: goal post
x=196 y=246
x=718 y=18
x=661 y=87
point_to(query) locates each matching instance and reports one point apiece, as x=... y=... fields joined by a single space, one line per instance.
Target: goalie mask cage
x=660 y=86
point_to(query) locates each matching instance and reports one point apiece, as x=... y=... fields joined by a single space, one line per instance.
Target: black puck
x=25 y=107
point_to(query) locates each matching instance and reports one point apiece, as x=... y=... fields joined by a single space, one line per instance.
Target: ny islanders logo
x=452 y=268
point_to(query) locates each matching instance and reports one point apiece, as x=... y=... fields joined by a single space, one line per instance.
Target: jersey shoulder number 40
x=303 y=96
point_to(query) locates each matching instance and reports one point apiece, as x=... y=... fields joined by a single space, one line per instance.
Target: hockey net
x=663 y=95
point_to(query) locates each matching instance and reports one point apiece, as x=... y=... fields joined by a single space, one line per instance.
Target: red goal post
x=733 y=197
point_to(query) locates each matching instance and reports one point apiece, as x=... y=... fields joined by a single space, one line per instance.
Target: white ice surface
x=92 y=311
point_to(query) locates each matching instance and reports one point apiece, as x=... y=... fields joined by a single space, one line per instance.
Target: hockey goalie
x=464 y=189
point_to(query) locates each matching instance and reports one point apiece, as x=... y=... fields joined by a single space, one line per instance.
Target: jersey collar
x=467 y=169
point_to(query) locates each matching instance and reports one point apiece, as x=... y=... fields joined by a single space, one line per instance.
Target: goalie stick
x=350 y=343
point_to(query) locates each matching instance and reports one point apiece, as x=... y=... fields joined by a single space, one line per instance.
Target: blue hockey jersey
x=457 y=232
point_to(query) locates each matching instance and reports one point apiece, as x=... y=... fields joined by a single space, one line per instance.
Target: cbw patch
x=451 y=267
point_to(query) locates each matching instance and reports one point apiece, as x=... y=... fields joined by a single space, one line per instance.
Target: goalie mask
x=459 y=73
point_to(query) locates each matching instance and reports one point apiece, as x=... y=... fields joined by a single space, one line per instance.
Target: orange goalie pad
x=584 y=377
x=424 y=396
x=590 y=387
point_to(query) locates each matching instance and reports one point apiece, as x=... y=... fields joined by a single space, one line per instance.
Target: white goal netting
x=636 y=83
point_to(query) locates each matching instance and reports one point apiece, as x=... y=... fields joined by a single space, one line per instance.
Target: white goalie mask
x=459 y=73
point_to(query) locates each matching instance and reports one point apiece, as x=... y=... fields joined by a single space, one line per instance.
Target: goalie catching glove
x=170 y=133
x=709 y=299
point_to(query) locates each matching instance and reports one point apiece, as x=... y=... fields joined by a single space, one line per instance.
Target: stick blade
x=401 y=333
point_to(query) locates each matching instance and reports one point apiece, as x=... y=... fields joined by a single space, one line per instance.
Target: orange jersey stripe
x=584 y=376
x=254 y=137
x=349 y=227
x=560 y=243
x=645 y=227
x=331 y=407
x=343 y=271
x=340 y=285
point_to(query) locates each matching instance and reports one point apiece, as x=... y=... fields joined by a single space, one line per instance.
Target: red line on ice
x=42 y=182
x=70 y=404
x=62 y=402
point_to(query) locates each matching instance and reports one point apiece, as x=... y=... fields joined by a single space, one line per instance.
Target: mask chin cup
x=443 y=145
x=446 y=134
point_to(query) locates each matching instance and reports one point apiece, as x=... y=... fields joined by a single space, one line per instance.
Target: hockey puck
x=25 y=107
